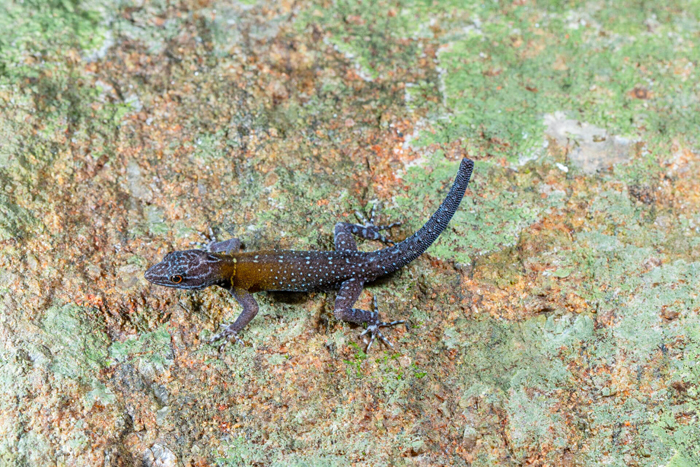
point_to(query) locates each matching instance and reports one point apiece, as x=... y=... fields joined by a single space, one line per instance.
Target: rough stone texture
x=554 y=323
x=592 y=148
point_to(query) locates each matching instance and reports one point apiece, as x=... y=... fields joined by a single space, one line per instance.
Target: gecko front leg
x=232 y=245
x=212 y=245
x=250 y=309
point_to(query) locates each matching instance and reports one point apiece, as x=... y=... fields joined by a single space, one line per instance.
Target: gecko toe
x=373 y=332
x=207 y=240
x=369 y=229
x=226 y=336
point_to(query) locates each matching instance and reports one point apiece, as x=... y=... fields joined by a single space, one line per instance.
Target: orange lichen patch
x=575 y=303
x=515 y=293
x=682 y=190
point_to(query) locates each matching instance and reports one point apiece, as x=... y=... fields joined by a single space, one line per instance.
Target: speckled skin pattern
x=242 y=274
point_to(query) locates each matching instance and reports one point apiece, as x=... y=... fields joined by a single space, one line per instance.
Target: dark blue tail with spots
x=403 y=253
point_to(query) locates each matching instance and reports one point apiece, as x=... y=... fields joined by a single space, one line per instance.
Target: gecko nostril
x=152 y=273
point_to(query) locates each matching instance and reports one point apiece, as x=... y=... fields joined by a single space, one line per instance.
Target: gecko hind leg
x=344 y=232
x=374 y=325
x=369 y=228
x=348 y=294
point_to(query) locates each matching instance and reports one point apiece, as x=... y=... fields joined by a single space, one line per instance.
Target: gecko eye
x=176 y=279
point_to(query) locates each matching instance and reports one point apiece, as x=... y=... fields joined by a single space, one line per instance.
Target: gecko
x=347 y=268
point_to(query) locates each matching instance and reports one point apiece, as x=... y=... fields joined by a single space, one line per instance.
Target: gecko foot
x=373 y=329
x=212 y=245
x=208 y=239
x=370 y=229
x=226 y=335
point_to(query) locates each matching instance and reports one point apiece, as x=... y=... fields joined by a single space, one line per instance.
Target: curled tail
x=403 y=253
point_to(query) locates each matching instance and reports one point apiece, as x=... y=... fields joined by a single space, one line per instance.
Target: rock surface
x=554 y=323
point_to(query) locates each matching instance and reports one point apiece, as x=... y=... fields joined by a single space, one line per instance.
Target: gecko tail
x=403 y=253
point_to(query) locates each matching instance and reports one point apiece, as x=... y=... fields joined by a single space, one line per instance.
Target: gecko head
x=188 y=269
